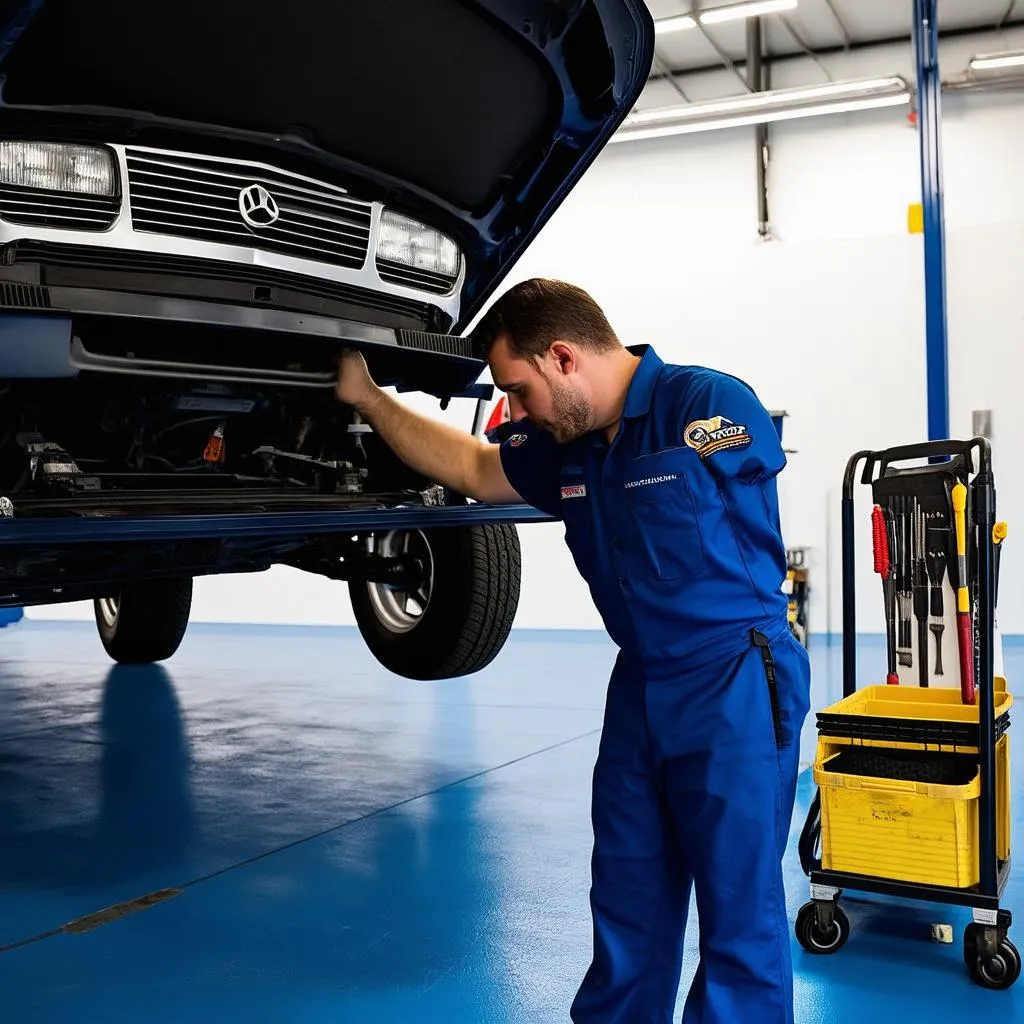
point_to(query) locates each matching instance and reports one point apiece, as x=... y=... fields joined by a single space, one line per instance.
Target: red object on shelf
x=498 y=416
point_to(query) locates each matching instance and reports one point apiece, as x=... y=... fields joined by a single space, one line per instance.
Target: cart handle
x=931 y=450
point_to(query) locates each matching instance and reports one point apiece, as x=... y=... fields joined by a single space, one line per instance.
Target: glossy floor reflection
x=335 y=844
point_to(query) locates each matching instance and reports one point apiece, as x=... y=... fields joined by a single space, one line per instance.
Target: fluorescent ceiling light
x=736 y=12
x=997 y=61
x=760 y=108
x=717 y=15
x=674 y=24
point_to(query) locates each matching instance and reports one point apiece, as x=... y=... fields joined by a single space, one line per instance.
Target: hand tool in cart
x=964 y=629
x=937 y=577
x=999 y=532
x=880 y=533
x=920 y=593
x=903 y=581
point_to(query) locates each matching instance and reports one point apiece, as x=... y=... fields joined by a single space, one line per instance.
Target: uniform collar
x=645 y=377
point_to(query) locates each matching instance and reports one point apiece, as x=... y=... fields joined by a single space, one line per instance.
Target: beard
x=571 y=414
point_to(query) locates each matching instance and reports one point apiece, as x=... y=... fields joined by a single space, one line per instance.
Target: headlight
x=407 y=241
x=55 y=167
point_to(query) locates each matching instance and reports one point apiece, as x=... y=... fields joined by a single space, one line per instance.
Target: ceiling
x=815 y=27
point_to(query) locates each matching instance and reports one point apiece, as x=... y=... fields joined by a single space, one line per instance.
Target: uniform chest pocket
x=664 y=528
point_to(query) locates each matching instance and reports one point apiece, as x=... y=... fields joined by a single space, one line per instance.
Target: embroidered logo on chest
x=706 y=437
x=574 y=491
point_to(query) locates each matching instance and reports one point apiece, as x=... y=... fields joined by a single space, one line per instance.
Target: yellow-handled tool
x=999 y=532
x=964 y=632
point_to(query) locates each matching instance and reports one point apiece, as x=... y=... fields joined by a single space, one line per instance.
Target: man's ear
x=564 y=357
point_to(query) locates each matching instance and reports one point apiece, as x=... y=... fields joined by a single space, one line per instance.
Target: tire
x=144 y=622
x=460 y=617
x=995 y=972
x=810 y=935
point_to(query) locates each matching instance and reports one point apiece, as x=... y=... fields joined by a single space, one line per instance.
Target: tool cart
x=913 y=775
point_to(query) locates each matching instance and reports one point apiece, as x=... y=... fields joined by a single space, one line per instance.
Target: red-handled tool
x=964 y=630
x=883 y=566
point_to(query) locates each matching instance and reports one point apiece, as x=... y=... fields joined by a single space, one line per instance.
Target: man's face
x=547 y=391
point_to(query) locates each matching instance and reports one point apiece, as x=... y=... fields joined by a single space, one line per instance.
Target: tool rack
x=822 y=927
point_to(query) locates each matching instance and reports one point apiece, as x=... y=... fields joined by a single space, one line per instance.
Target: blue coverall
x=675 y=527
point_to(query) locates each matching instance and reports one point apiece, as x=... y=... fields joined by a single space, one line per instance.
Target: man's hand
x=438 y=451
x=354 y=387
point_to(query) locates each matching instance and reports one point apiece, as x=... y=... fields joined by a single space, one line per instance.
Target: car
x=201 y=204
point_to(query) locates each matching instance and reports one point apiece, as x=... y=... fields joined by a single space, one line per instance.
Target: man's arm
x=442 y=453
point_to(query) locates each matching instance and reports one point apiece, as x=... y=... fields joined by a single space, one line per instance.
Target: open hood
x=476 y=116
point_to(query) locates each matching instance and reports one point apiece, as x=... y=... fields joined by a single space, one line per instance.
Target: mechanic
x=665 y=479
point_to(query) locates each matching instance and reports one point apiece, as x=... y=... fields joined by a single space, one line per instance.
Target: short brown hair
x=535 y=313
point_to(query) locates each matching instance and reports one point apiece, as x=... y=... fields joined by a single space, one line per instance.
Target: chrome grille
x=412 y=277
x=39 y=208
x=193 y=197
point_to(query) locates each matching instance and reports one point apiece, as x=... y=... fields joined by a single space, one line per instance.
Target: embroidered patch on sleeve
x=716 y=434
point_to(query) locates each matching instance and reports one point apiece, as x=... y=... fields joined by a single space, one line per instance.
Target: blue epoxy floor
x=350 y=847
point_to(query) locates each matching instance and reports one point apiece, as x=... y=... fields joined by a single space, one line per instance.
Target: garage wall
x=826 y=320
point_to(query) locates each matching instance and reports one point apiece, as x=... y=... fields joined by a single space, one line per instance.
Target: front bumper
x=117 y=529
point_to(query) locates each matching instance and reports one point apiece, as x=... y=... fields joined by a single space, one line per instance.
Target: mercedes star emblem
x=257 y=206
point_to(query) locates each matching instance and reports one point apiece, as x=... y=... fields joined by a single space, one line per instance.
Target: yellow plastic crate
x=906 y=831
x=909 y=717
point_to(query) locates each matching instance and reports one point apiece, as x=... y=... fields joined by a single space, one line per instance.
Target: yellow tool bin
x=913 y=776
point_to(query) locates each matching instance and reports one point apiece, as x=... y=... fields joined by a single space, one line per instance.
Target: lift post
x=929 y=116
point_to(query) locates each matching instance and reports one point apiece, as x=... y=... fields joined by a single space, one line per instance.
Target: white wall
x=825 y=321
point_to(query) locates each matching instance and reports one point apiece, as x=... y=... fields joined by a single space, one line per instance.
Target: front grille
x=446 y=344
x=23 y=296
x=411 y=277
x=126 y=262
x=193 y=197
x=37 y=207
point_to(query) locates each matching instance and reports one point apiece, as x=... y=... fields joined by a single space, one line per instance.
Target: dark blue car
x=201 y=203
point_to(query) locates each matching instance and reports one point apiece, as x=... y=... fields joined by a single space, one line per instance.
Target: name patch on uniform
x=716 y=434
x=648 y=480
x=574 y=491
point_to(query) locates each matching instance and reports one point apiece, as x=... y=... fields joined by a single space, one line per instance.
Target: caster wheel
x=813 y=938
x=996 y=972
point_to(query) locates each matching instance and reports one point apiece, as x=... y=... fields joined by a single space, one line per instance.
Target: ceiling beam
x=825 y=51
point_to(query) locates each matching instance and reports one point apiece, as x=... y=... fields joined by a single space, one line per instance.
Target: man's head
x=545 y=341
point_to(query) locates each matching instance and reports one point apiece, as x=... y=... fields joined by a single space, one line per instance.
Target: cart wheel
x=997 y=972
x=814 y=938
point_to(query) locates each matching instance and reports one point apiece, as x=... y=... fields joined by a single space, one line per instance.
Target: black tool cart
x=913 y=774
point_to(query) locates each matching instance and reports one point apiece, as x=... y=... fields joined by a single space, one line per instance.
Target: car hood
x=477 y=116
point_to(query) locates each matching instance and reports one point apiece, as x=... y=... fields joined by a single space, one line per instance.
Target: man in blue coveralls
x=665 y=479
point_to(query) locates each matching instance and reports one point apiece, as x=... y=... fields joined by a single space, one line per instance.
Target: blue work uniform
x=674 y=524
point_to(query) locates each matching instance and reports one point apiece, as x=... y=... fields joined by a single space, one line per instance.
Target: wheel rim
x=994 y=969
x=399 y=609
x=108 y=609
x=820 y=941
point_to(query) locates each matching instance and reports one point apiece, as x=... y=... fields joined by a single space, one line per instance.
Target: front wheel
x=822 y=940
x=456 y=616
x=144 y=622
x=999 y=971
